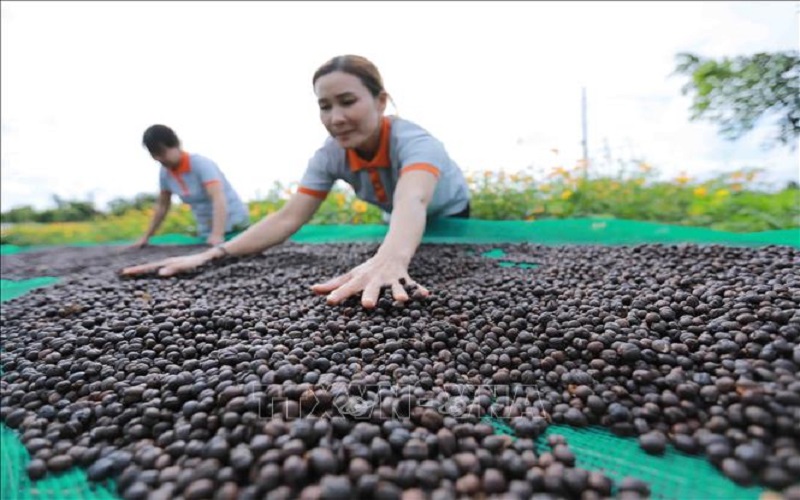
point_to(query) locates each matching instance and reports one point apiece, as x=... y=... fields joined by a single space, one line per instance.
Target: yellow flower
x=340 y=199
x=359 y=206
x=700 y=191
x=682 y=179
x=615 y=185
x=514 y=178
x=721 y=193
x=559 y=171
x=545 y=188
x=639 y=182
x=566 y=195
x=530 y=217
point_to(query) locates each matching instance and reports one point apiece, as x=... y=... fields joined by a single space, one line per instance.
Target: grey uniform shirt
x=404 y=146
x=189 y=182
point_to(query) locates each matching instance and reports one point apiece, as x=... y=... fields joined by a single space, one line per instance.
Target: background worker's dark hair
x=159 y=137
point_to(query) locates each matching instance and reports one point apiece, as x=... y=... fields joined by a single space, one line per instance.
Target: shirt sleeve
x=207 y=170
x=318 y=178
x=421 y=151
x=162 y=180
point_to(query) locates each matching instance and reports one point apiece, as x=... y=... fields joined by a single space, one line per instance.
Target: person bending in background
x=390 y=162
x=199 y=182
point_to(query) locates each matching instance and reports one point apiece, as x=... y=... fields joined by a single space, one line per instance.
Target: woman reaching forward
x=390 y=162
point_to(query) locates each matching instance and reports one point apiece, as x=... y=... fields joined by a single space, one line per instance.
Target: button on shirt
x=404 y=146
x=189 y=182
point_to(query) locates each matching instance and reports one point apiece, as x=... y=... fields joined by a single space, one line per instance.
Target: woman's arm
x=269 y=231
x=275 y=228
x=162 y=207
x=218 y=213
x=390 y=264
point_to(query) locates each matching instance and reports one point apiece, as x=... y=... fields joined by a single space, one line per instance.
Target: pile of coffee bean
x=63 y=261
x=235 y=381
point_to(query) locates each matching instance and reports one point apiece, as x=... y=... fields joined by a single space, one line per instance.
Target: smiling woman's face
x=350 y=113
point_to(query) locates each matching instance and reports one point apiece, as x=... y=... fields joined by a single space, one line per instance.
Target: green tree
x=119 y=206
x=25 y=213
x=737 y=92
x=69 y=211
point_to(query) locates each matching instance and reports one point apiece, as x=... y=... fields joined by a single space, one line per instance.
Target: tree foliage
x=63 y=211
x=737 y=93
x=119 y=206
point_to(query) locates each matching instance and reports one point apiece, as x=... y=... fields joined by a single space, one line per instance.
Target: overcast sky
x=498 y=82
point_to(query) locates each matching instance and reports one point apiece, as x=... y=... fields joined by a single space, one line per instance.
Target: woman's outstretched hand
x=369 y=277
x=170 y=266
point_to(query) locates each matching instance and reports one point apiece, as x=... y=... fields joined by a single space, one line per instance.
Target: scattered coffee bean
x=654 y=442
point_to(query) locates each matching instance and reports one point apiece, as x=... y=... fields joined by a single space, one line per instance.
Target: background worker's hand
x=369 y=277
x=213 y=240
x=170 y=266
x=139 y=244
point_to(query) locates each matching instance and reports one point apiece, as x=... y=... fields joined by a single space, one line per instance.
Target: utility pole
x=583 y=126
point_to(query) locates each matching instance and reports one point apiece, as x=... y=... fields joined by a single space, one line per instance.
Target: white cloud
x=81 y=81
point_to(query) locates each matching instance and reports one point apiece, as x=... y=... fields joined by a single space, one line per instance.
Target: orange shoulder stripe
x=427 y=167
x=313 y=192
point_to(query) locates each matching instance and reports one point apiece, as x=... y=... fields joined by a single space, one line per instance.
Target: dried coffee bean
x=387 y=491
x=415 y=449
x=322 y=461
x=737 y=471
x=563 y=454
x=600 y=483
x=138 y=491
x=335 y=487
x=753 y=455
x=493 y=481
x=101 y=469
x=654 y=442
x=36 y=469
x=576 y=480
x=634 y=485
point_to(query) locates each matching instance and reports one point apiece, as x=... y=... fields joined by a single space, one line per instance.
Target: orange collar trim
x=381 y=158
x=183 y=167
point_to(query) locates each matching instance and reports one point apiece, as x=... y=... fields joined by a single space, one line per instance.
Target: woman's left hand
x=369 y=277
